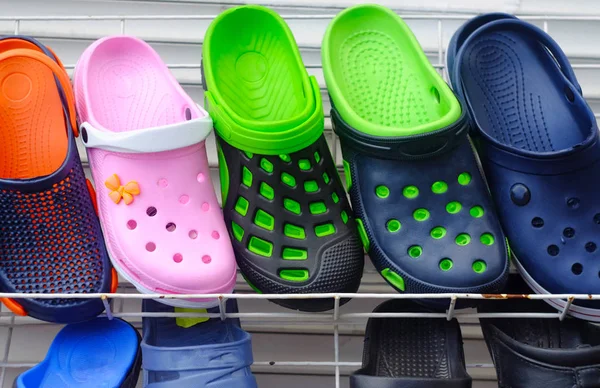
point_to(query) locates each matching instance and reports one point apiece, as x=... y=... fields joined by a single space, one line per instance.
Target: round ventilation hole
x=573 y=203
x=553 y=250
x=463 y=239
x=569 y=232
x=151 y=211
x=597 y=218
x=188 y=114
x=439 y=187
x=205 y=206
x=382 y=191
x=184 y=199
x=178 y=257
x=421 y=214
x=200 y=177
x=479 y=266
x=446 y=264
x=476 y=212
x=410 y=192
x=131 y=224
x=415 y=251
x=537 y=222
x=487 y=239
x=393 y=225
x=453 y=207
x=206 y=259
x=590 y=246
x=171 y=227
x=193 y=234
x=438 y=232
x=464 y=178
x=577 y=269
x=163 y=183
x=215 y=235
x=150 y=247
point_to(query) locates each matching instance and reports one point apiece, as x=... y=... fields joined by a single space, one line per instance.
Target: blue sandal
x=100 y=353
x=190 y=353
x=539 y=146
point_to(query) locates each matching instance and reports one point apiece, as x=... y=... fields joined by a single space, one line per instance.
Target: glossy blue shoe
x=214 y=353
x=100 y=353
x=539 y=146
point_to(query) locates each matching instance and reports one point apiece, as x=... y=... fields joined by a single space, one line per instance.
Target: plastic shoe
x=50 y=237
x=411 y=352
x=540 y=352
x=539 y=144
x=284 y=204
x=145 y=141
x=421 y=202
x=100 y=353
x=212 y=353
x=458 y=38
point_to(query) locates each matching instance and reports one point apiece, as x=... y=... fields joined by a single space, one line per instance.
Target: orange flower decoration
x=118 y=192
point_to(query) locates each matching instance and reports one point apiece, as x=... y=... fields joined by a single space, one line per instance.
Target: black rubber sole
x=301 y=192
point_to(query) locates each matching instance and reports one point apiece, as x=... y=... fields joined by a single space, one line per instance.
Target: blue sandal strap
x=414 y=147
x=206 y=357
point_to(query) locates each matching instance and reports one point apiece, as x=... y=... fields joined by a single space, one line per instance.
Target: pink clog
x=145 y=141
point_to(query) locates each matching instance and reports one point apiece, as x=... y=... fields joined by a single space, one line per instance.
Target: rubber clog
x=422 y=205
x=539 y=352
x=284 y=204
x=213 y=353
x=100 y=353
x=411 y=352
x=145 y=140
x=539 y=146
x=50 y=236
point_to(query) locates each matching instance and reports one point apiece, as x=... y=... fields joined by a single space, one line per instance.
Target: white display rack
x=337 y=317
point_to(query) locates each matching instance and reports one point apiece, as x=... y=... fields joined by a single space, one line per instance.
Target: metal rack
x=337 y=317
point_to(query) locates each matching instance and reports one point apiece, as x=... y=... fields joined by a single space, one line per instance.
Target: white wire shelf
x=335 y=317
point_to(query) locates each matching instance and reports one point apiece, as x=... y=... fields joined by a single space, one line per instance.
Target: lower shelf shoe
x=195 y=353
x=50 y=236
x=540 y=352
x=540 y=148
x=421 y=202
x=101 y=353
x=287 y=213
x=411 y=352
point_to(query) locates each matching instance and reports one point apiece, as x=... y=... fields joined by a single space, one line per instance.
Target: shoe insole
x=260 y=74
x=33 y=134
x=98 y=353
x=411 y=347
x=130 y=88
x=166 y=333
x=379 y=78
x=518 y=94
